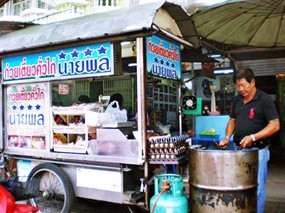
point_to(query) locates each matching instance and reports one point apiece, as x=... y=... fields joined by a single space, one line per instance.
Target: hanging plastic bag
x=114 y=114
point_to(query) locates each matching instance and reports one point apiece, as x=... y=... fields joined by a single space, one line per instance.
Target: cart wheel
x=50 y=188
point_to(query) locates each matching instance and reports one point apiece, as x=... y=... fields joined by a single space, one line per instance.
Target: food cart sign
x=81 y=61
x=163 y=58
x=27 y=112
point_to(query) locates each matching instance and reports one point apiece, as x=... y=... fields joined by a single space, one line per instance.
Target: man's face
x=243 y=87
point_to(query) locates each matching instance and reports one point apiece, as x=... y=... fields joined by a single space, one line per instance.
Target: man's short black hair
x=246 y=73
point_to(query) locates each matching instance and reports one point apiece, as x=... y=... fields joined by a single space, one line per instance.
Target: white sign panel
x=100 y=179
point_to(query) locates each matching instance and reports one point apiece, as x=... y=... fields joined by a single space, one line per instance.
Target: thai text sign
x=27 y=112
x=81 y=61
x=163 y=58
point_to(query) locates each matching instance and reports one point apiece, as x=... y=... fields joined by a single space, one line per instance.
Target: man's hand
x=224 y=143
x=246 y=142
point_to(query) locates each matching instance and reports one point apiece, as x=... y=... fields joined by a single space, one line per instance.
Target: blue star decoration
x=102 y=50
x=14 y=107
x=75 y=54
x=30 y=107
x=162 y=61
x=22 y=107
x=38 y=106
x=88 y=52
x=167 y=63
x=173 y=65
x=156 y=60
x=62 y=55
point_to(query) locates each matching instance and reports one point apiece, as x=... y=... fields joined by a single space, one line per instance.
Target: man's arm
x=230 y=129
x=272 y=127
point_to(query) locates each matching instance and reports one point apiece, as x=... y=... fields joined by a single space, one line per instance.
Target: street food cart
x=45 y=68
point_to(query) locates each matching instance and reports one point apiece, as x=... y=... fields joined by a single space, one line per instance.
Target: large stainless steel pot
x=223 y=180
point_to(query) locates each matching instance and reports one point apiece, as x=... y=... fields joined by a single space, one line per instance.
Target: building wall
x=46 y=11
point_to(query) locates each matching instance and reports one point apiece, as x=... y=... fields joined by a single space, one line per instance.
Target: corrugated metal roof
x=264 y=67
x=125 y=20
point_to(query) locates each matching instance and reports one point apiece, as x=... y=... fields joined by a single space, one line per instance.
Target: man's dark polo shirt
x=252 y=116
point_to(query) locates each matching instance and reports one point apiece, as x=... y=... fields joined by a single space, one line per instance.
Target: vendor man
x=253 y=118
